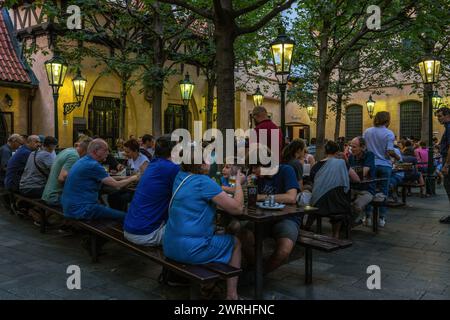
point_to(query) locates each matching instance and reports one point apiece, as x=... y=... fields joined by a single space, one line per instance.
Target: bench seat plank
x=317 y=244
x=342 y=243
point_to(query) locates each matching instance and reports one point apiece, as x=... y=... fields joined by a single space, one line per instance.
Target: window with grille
x=410 y=119
x=174 y=118
x=353 y=121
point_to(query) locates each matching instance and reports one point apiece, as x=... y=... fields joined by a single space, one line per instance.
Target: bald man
x=16 y=165
x=81 y=190
x=362 y=194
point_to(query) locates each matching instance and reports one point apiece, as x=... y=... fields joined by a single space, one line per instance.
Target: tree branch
x=256 y=5
x=265 y=19
x=181 y=3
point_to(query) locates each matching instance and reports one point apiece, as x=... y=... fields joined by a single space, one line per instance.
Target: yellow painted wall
x=19 y=107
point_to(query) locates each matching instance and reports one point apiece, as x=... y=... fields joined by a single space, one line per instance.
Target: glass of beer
x=233 y=175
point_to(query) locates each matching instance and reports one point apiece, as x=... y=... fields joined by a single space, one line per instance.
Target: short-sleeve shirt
x=136 y=164
x=298 y=168
x=380 y=140
x=269 y=126
x=191 y=224
x=283 y=181
x=64 y=160
x=149 y=207
x=367 y=160
x=34 y=177
x=15 y=167
x=82 y=186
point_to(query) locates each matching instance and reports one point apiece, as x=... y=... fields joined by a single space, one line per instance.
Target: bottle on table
x=252 y=193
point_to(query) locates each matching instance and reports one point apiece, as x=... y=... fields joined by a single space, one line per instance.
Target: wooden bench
x=408 y=185
x=323 y=243
x=112 y=230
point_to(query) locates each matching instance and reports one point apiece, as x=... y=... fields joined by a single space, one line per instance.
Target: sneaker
x=381 y=222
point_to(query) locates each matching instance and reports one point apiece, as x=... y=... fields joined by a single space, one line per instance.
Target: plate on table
x=277 y=206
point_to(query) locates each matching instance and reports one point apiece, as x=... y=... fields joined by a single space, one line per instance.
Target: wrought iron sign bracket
x=69 y=107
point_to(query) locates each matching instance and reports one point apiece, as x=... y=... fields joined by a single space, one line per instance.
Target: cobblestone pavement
x=413 y=252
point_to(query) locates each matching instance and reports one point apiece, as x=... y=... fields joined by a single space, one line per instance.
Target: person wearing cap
x=6 y=152
x=263 y=122
x=16 y=164
x=37 y=169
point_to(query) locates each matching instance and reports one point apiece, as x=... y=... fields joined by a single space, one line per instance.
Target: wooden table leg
x=404 y=194
x=259 y=260
x=94 y=248
x=375 y=218
x=43 y=214
x=319 y=225
x=308 y=266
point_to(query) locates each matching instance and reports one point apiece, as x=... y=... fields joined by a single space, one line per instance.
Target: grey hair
x=84 y=142
x=33 y=138
x=96 y=144
x=15 y=137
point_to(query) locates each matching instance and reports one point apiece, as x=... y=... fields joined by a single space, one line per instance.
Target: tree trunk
x=123 y=106
x=225 y=78
x=322 y=97
x=425 y=110
x=158 y=62
x=210 y=99
x=337 y=128
x=157 y=93
x=322 y=90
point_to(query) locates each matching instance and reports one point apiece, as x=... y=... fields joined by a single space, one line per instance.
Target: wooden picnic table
x=259 y=217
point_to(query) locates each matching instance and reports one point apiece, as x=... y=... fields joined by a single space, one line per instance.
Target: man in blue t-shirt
x=80 y=194
x=16 y=165
x=284 y=186
x=362 y=194
x=148 y=212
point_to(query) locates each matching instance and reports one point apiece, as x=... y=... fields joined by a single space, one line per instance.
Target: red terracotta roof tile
x=11 y=69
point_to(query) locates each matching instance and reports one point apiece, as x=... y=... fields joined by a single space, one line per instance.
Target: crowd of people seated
x=174 y=205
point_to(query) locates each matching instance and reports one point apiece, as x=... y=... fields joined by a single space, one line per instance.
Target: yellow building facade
x=98 y=112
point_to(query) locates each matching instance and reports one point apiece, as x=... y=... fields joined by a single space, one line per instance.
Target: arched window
x=353 y=121
x=410 y=119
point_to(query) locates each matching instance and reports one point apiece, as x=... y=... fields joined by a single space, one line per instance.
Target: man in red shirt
x=263 y=122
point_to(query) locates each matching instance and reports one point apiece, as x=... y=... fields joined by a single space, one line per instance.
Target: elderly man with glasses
x=6 y=152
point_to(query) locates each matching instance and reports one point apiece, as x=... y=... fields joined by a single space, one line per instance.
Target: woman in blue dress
x=189 y=236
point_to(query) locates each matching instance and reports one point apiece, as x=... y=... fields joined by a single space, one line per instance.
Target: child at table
x=231 y=225
x=225 y=179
